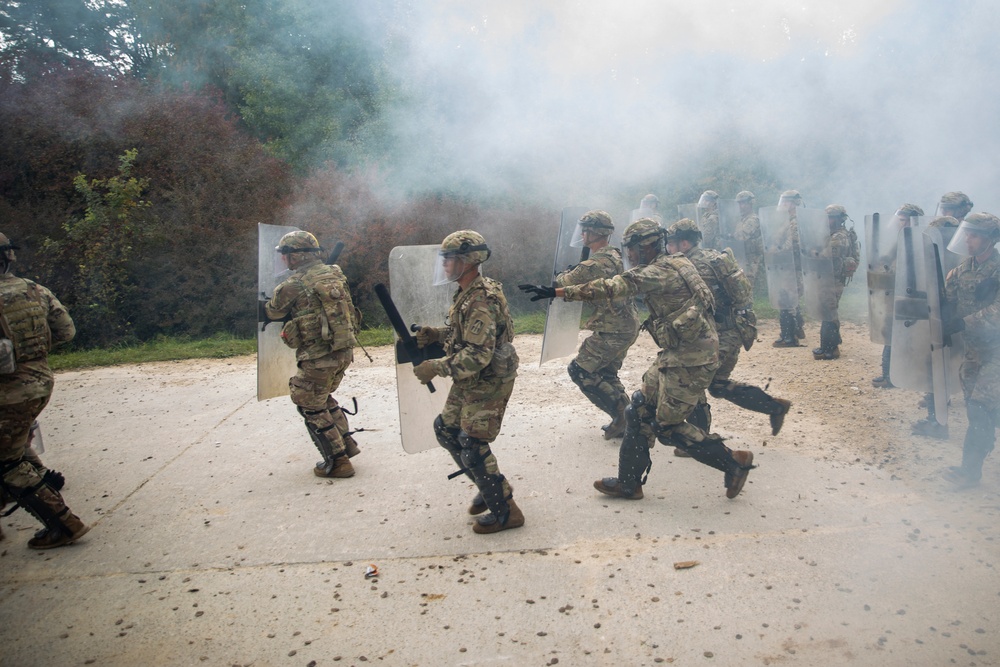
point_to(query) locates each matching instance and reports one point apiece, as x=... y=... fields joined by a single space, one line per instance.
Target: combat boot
x=610 y=486
x=735 y=480
x=351 y=447
x=930 y=428
x=340 y=467
x=50 y=538
x=478 y=505
x=616 y=428
x=882 y=382
x=491 y=523
x=778 y=418
x=681 y=454
x=824 y=354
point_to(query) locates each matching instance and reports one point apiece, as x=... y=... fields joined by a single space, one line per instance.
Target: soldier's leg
x=590 y=384
x=484 y=404
x=883 y=381
x=343 y=427
x=633 y=453
x=980 y=438
x=753 y=398
x=309 y=391
x=21 y=482
x=787 y=337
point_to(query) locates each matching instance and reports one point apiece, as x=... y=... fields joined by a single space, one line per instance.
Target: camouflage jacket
x=840 y=249
x=480 y=327
x=748 y=231
x=708 y=223
x=680 y=307
x=318 y=299
x=974 y=288
x=616 y=316
x=732 y=290
x=37 y=322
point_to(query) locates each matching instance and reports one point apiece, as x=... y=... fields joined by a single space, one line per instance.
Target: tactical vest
x=26 y=319
x=732 y=290
x=328 y=312
x=505 y=360
x=672 y=323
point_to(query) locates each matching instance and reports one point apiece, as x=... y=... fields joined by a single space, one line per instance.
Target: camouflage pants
x=980 y=377
x=752 y=269
x=671 y=395
x=15 y=425
x=730 y=345
x=477 y=406
x=601 y=355
x=311 y=389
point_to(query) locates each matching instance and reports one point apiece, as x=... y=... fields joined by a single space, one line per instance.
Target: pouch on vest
x=505 y=360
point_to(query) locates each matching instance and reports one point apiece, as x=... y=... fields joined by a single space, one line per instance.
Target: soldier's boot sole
x=680 y=453
x=882 y=382
x=781 y=342
x=610 y=486
x=734 y=481
x=50 y=538
x=929 y=428
x=491 y=523
x=819 y=354
x=778 y=418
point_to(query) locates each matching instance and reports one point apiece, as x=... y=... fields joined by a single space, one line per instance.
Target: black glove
x=540 y=291
x=262 y=311
x=953 y=326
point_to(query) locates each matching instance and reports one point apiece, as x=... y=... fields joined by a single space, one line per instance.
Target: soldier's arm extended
x=584 y=272
x=626 y=285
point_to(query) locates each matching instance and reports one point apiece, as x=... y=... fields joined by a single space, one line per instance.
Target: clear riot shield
x=817 y=265
x=916 y=328
x=411 y=272
x=689 y=211
x=880 y=240
x=729 y=223
x=275 y=360
x=779 y=258
x=562 y=319
x=639 y=213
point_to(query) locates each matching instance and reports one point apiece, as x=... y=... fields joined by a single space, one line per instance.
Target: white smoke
x=864 y=103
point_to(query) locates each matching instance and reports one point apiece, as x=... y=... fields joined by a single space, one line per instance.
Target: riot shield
x=689 y=211
x=729 y=224
x=275 y=360
x=817 y=264
x=779 y=258
x=562 y=319
x=880 y=240
x=920 y=361
x=411 y=272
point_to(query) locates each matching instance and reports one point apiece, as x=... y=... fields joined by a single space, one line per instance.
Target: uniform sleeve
x=584 y=272
x=747 y=228
x=710 y=232
x=622 y=286
x=479 y=335
x=987 y=319
x=281 y=302
x=60 y=323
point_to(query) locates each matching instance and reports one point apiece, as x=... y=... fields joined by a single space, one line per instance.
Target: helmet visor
x=972 y=239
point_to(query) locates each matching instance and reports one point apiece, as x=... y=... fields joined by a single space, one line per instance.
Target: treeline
x=141 y=145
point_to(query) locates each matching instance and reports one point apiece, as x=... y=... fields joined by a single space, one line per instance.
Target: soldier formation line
x=934 y=304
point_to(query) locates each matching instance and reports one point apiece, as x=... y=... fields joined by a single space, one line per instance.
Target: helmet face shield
x=975 y=236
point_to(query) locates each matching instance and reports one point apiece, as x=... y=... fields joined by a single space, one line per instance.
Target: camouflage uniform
x=708 y=219
x=841 y=250
x=482 y=362
x=680 y=306
x=35 y=320
x=748 y=232
x=791 y=321
x=317 y=299
x=735 y=323
x=615 y=325
x=973 y=288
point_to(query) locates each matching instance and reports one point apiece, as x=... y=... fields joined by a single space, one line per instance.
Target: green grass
x=853 y=307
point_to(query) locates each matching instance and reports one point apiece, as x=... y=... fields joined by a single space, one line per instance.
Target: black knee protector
x=577 y=373
x=29 y=500
x=980 y=438
x=447 y=437
x=589 y=384
x=634 y=462
x=701 y=416
x=745 y=396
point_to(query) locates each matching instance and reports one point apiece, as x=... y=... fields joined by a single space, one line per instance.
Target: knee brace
x=447 y=437
x=590 y=384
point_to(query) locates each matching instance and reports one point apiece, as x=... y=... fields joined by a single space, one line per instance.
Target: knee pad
x=446 y=436
x=578 y=374
x=474 y=453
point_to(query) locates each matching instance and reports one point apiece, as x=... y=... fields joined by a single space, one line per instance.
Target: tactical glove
x=540 y=291
x=953 y=326
x=425 y=372
x=427 y=336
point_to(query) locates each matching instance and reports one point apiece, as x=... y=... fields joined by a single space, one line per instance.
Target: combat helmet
x=597 y=221
x=909 y=211
x=684 y=229
x=293 y=242
x=7 y=256
x=467 y=245
x=745 y=195
x=986 y=224
x=642 y=232
x=959 y=201
x=650 y=201
x=838 y=212
x=708 y=197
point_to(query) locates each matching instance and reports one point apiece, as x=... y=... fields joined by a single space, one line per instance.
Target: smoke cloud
x=867 y=104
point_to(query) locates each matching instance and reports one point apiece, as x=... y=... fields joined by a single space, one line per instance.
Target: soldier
x=842 y=248
x=482 y=362
x=749 y=233
x=903 y=218
x=680 y=306
x=649 y=207
x=735 y=323
x=615 y=324
x=32 y=322
x=951 y=211
x=791 y=321
x=708 y=218
x=973 y=289
x=321 y=326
